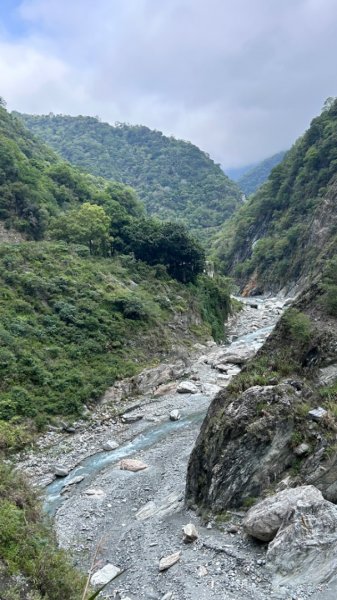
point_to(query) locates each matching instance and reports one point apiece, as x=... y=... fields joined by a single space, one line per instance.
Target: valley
x=136 y=518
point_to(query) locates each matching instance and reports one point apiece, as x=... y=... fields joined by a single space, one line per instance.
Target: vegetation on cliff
x=174 y=178
x=288 y=228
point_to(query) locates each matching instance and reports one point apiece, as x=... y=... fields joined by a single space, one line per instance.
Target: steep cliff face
x=260 y=431
x=283 y=234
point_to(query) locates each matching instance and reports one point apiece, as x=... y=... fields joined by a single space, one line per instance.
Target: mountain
x=174 y=178
x=236 y=173
x=285 y=232
x=254 y=177
x=91 y=291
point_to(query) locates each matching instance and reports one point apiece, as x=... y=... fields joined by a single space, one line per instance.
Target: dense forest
x=174 y=178
x=288 y=228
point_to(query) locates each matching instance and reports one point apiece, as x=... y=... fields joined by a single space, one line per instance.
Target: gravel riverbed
x=103 y=509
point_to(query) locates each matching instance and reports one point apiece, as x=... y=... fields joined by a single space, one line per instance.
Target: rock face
x=305 y=548
x=241 y=450
x=265 y=519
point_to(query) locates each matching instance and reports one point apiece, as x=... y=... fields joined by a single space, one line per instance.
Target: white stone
x=169 y=561
x=175 y=415
x=61 y=471
x=317 y=413
x=104 y=575
x=110 y=445
x=190 y=533
x=187 y=387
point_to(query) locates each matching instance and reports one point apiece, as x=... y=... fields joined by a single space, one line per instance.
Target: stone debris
x=175 y=415
x=168 y=561
x=190 y=533
x=202 y=571
x=131 y=418
x=187 y=387
x=129 y=464
x=94 y=492
x=105 y=575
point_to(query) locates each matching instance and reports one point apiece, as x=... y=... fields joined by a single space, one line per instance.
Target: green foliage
x=174 y=178
x=257 y=175
x=272 y=238
x=168 y=244
x=297 y=325
x=329 y=287
x=70 y=326
x=88 y=225
x=27 y=545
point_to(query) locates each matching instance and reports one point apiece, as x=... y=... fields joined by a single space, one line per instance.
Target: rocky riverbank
x=135 y=517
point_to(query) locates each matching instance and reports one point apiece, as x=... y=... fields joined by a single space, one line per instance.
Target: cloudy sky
x=239 y=78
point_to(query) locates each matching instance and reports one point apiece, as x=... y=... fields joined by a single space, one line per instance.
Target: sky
x=241 y=79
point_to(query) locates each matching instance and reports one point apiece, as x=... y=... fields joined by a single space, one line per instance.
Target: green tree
x=89 y=225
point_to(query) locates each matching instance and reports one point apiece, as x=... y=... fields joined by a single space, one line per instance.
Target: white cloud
x=240 y=78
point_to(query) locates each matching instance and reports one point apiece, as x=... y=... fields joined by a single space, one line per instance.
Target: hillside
x=253 y=178
x=286 y=231
x=174 y=178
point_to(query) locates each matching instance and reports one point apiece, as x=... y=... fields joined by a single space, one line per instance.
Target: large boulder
x=265 y=519
x=304 y=550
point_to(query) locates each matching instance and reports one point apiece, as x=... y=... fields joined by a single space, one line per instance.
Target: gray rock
x=168 y=561
x=104 y=575
x=110 y=445
x=305 y=548
x=187 y=387
x=328 y=375
x=131 y=418
x=190 y=533
x=317 y=413
x=75 y=480
x=175 y=415
x=172 y=503
x=61 y=471
x=302 y=449
x=265 y=519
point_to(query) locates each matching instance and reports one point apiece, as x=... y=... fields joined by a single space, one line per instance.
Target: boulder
x=187 y=387
x=317 y=413
x=61 y=471
x=168 y=561
x=175 y=415
x=265 y=519
x=304 y=550
x=129 y=464
x=110 y=445
x=104 y=575
x=190 y=533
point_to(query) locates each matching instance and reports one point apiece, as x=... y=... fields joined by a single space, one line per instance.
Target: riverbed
x=136 y=518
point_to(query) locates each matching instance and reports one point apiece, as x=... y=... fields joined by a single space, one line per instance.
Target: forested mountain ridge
x=174 y=178
x=250 y=181
x=287 y=230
